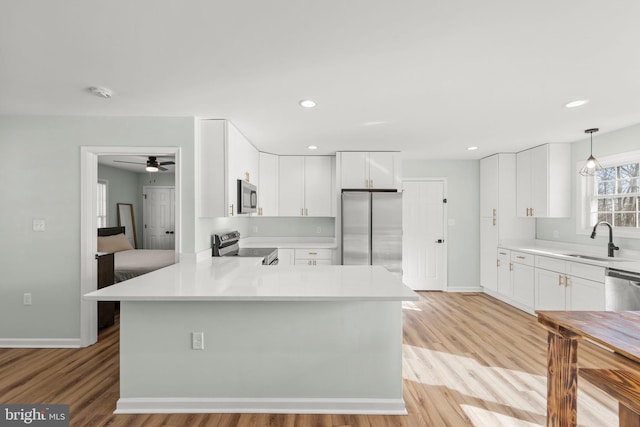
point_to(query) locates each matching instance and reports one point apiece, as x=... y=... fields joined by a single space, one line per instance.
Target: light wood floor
x=468 y=360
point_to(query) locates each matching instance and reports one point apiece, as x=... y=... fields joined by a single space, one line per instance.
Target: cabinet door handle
x=494 y=221
x=301 y=211
x=306 y=211
x=502 y=253
x=231 y=206
x=520 y=257
x=371 y=183
x=497 y=263
x=313 y=253
x=559 y=279
x=510 y=266
x=566 y=281
x=531 y=211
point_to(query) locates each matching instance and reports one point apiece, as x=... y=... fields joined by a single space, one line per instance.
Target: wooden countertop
x=619 y=331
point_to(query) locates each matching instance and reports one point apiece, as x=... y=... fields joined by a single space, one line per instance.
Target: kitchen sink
x=596 y=258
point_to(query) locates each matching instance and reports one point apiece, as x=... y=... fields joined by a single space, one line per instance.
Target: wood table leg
x=628 y=418
x=562 y=381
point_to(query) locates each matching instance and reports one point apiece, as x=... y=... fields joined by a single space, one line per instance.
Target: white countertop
x=550 y=249
x=289 y=242
x=243 y=279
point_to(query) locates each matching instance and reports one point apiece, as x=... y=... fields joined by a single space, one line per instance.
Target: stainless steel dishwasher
x=621 y=290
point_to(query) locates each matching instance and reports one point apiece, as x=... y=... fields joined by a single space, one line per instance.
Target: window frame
x=105 y=182
x=587 y=213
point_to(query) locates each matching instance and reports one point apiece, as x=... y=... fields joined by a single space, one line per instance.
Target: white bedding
x=132 y=263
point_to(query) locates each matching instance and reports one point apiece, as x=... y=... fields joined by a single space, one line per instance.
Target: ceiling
x=427 y=77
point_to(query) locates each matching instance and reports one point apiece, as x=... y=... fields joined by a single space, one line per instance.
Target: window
x=102 y=203
x=612 y=195
x=617 y=195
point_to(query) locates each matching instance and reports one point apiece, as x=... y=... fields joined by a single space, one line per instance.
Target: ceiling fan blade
x=167 y=163
x=133 y=163
x=162 y=169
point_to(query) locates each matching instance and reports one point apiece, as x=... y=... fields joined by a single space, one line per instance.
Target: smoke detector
x=102 y=92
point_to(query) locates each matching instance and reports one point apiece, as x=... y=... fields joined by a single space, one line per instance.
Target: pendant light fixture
x=592 y=166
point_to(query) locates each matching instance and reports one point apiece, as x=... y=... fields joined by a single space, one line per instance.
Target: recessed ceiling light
x=312 y=147
x=472 y=148
x=576 y=103
x=102 y=92
x=307 y=103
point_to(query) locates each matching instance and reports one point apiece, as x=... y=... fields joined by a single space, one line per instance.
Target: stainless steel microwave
x=247 y=197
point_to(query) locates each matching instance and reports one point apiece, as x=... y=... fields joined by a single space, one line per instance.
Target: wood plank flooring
x=468 y=360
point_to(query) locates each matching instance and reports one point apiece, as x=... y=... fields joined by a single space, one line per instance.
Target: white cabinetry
x=566 y=285
x=314 y=257
x=225 y=156
x=306 y=186
x=498 y=219
x=523 y=280
x=505 y=285
x=268 y=190
x=286 y=256
x=369 y=170
x=544 y=181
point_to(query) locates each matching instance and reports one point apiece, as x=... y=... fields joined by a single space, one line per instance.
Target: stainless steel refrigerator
x=372 y=229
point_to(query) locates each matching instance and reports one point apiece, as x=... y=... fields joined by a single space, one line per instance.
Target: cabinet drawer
x=586 y=271
x=314 y=254
x=553 y=264
x=522 y=258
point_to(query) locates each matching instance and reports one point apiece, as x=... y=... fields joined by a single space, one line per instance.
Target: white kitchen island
x=279 y=339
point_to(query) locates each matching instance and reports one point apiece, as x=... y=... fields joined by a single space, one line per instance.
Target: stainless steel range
x=227 y=245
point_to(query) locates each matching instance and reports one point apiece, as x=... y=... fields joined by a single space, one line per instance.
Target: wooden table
x=619 y=332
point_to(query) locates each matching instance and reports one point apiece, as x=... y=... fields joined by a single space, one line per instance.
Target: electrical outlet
x=197 y=340
x=255 y=228
x=38 y=224
x=26 y=299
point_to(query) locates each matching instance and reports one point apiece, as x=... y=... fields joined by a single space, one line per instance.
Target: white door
x=423 y=236
x=159 y=217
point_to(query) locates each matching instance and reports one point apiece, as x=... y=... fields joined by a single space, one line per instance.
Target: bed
x=129 y=262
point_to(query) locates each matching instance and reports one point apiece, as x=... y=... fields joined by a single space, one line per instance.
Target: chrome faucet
x=611 y=247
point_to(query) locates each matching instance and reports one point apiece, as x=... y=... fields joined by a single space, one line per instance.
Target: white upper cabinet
x=225 y=156
x=291 y=186
x=306 y=186
x=369 y=170
x=544 y=181
x=268 y=190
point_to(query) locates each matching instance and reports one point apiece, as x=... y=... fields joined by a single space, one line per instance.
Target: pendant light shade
x=592 y=166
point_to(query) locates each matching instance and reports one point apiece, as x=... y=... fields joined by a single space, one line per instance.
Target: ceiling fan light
x=151 y=168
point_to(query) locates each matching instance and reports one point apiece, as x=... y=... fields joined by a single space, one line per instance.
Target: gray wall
x=604 y=144
x=41 y=177
x=463 y=258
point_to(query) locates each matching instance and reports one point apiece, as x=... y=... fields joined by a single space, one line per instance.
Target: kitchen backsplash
x=290 y=226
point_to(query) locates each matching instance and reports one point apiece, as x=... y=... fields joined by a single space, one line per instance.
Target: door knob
x=440 y=241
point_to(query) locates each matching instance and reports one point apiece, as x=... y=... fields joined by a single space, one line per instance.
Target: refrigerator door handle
x=440 y=241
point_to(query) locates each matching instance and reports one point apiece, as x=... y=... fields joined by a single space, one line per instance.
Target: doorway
x=89 y=224
x=424 y=242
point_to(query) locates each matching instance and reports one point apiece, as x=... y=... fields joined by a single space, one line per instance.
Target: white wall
x=463 y=207
x=41 y=179
x=604 y=144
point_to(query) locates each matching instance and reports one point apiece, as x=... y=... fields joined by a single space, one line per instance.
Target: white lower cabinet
x=566 y=285
x=286 y=256
x=314 y=257
x=523 y=280
x=505 y=285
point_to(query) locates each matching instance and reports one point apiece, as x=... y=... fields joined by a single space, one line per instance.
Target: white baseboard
x=162 y=405
x=465 y=289
x=40 y=343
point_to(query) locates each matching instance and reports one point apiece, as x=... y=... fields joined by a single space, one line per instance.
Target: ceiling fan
x=153 y=165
